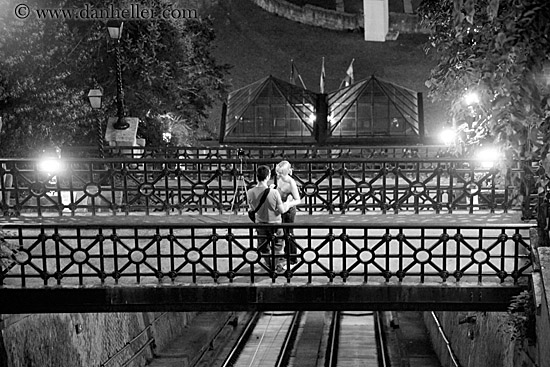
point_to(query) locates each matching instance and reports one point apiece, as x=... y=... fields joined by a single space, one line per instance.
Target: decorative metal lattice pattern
x=176 y=186
x=77 y=255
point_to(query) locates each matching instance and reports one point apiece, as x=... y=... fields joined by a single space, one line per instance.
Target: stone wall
x=336 y=20
x=479 y=337
x=481 y=340
x=312 y=15
x=86 y=340
x=542 y=295
x=543 y=328
x=406 y=23
x=194 y=4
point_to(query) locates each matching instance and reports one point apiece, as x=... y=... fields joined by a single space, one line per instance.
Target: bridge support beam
x=245 y=297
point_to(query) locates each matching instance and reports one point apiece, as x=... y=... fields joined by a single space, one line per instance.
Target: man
x=268 y=213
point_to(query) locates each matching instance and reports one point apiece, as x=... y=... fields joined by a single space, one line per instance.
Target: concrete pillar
x=126 y=137
x=407 y=5
x=376 y=20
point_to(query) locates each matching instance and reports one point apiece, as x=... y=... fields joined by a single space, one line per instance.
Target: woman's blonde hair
x=283 y=168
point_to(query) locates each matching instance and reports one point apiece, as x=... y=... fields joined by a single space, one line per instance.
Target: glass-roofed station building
x=371 y=111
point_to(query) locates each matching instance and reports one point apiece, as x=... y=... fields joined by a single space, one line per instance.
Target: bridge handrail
x=270 y=160
x=215 y=185
x=127 y=223
x=103 y=253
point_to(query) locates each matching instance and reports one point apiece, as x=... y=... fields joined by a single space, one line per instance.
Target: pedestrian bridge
x=374 y=232
x=184 y=263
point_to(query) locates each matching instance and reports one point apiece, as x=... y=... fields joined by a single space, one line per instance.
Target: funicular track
x=266 y=341
x=351 y=338
x=356 y=339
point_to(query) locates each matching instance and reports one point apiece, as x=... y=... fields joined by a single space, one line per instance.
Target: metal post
x=120 y=124
x=100 y=141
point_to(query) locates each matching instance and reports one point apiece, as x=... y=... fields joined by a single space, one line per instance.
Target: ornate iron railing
x=127 y=253
x=176 y=186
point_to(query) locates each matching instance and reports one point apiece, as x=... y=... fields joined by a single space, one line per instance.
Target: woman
x=287 y=188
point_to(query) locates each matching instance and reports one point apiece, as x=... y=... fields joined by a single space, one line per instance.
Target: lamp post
x=115 y=32
x=94 y=95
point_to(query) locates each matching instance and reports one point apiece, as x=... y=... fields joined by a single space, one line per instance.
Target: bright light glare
x=471 y=98
x=447 y=136
x=488 y=156
x=166 y=137
x=312 y=118
x=50 y=165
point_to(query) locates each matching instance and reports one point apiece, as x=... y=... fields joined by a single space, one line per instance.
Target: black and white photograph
x=274 y=183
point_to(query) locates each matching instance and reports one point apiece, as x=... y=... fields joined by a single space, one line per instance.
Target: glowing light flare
x=50 y=166
x=311 y=119
x=488 y=156
x=447 y=136
x=471 y=98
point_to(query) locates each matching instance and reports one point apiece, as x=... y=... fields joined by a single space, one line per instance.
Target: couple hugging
x=275 y=205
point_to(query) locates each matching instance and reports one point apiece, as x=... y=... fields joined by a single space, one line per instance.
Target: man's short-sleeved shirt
x=268 y=213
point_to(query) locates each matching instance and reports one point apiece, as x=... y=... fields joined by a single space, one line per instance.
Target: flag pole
x=293 y=73
x=302 y=81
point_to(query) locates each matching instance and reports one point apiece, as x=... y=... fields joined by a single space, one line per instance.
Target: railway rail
x=354 y=338
x=266 y=341
x=357 y=339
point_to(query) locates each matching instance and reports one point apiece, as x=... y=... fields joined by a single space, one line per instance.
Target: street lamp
x=94 y=95
x=115 y=32
x=50 y=164
x=471 y=98
x=115 y=29
x=447 y=136
x=488 y=156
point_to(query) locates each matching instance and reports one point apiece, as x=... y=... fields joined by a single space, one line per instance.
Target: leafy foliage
x=500 y=50
x=48 y=66
x=8 y=251
x=521 y=321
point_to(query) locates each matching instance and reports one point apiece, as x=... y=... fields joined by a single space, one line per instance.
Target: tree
x=500 y=50
x=35 y=99
x=48 y=66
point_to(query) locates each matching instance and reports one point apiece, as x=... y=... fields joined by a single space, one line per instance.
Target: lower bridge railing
x=336 y=185
x=124 y=255
x=72 y=254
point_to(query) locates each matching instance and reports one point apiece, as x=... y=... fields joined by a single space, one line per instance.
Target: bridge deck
x=479 y=219
x=234 y=281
